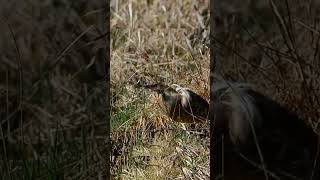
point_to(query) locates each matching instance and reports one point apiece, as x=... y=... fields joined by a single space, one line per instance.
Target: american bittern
x=182 y=104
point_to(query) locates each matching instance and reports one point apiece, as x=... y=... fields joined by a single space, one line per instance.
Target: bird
x=258 y=131
x=182 y=104
x=261 y=137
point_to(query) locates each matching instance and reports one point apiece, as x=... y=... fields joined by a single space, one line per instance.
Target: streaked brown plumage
x=182 y=104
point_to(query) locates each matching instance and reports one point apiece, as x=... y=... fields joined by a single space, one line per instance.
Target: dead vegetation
x=273 y=45
x=52 y=110
x=150 y=44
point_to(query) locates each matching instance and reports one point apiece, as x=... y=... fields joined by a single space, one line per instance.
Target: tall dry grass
x=156 y=42
x=52 y=110
x=273 y=45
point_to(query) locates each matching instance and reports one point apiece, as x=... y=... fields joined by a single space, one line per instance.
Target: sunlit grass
x=150 y=45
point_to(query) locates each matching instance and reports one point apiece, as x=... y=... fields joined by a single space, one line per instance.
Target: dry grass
x=273 y=45
x=52 y=118
x=275 y=48
x=150 y=45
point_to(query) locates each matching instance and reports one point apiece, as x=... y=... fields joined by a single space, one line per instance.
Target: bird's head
x=182 y=104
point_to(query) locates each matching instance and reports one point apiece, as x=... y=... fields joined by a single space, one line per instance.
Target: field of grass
x=52 y=114
x=156 y=42
x=52 y=91
x=273 y=45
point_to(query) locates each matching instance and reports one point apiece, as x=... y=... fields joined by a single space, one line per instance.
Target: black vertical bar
x=105 y=53
x=215 y=139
